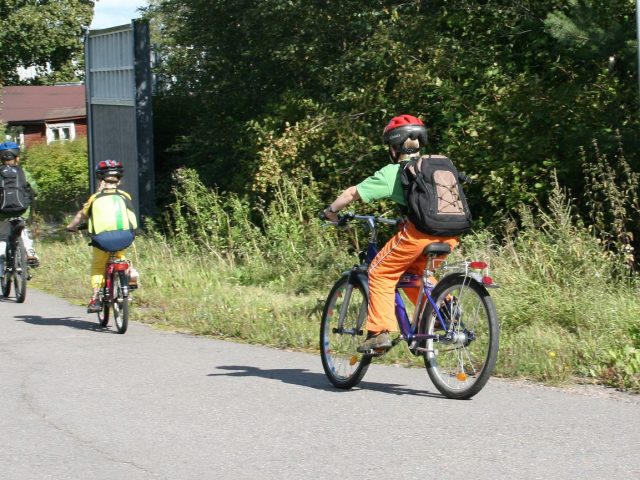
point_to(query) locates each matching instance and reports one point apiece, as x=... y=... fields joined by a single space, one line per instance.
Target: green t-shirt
x=385 y=183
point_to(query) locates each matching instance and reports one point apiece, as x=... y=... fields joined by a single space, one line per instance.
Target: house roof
x=42 y=103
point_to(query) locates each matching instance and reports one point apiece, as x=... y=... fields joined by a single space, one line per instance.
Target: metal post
x=88 y=91
x=638 y=37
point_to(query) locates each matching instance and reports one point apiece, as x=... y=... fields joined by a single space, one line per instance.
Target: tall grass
x=565 y=308
x=188 y=291
x=262 y=275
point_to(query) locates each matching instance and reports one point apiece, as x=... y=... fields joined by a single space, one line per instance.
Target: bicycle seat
x=437 y=248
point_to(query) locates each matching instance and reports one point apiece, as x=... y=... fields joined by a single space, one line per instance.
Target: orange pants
x=403 y=253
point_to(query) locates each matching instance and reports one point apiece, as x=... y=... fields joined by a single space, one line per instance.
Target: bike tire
x=20 y=271
x=459 y=366
x=5 y=281
x=342 y=363
x=120 y=306
x=103 y=315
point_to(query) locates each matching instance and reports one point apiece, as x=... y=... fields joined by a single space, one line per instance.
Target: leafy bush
x=280 y=244
x=61 y=172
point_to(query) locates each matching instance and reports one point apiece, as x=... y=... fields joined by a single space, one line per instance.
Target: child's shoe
x=32 y=258
x=133 y=278
x=376 y=341
x=94 y=305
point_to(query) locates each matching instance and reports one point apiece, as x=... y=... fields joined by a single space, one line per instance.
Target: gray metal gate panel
x=118 y=85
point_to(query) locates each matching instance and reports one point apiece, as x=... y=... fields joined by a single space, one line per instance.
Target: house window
x=60 y=132
x=15 y=134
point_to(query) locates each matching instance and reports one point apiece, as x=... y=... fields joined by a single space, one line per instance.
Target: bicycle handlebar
x=369 y=219
x=82 y=226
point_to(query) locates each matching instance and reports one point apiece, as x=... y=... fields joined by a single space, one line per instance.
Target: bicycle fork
x=362 y=313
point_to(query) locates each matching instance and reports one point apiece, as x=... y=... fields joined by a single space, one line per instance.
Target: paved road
x=77 y=402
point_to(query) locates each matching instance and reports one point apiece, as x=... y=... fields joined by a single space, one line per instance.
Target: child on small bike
x=17 y=191
x=111 y=224
x=405 y=135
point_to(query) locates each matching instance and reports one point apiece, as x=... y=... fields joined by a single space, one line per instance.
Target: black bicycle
x=16 y=268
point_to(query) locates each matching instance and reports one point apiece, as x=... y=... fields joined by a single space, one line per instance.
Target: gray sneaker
x=378 y=341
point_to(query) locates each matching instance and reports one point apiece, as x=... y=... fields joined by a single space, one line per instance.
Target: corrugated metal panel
x=111 y=66
x=119 y=115
x=114 y=140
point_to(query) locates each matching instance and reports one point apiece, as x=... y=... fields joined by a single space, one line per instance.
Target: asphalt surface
x=79 y=402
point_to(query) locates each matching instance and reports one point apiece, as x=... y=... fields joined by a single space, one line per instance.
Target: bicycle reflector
x=478 y=265
x=487 y=281
x=121 y=267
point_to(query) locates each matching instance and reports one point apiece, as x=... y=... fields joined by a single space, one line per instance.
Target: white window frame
x=19 y=139
x=53 y=127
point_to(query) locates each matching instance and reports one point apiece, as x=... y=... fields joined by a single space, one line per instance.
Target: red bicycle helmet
x=402 y=127
x=109 y=168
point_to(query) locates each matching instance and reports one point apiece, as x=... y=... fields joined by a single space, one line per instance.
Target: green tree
x=512 y=91
x=42 y=34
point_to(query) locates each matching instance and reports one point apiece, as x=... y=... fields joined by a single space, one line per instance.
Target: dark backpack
x=435 y=201
x=15 y=192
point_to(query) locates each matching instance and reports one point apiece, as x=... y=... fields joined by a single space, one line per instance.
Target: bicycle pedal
x=375 y=353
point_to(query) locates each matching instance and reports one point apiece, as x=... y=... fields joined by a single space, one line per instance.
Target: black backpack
x=435 y=201
x=15 y=192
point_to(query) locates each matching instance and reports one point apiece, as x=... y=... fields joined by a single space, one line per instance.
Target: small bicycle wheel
x=461 y=360
x=20 y=271
x=120 y=306
x=339 y=339
x=5 y=281
x=103 y=315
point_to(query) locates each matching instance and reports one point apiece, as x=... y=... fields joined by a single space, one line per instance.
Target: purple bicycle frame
x=409 y=281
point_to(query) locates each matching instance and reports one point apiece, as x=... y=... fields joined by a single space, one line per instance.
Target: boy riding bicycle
x=111 y=223
x=17 y=191
x=405 y=135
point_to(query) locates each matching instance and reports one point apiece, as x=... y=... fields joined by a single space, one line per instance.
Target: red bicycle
x=114 y=295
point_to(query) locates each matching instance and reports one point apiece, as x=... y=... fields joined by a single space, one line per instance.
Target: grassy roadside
x=562 y=321
x=199 y=294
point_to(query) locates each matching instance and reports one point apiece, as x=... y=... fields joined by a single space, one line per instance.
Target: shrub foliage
x=61 y=172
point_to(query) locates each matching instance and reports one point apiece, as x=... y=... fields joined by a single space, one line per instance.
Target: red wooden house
x=44 y=113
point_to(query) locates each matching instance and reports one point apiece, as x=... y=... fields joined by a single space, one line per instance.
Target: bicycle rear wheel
x=20 y=271
x=461 y=360
x=339 y=340
x=120 y=305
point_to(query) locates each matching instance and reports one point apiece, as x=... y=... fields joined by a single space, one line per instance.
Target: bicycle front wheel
x=120 y=306
x=462 y=357
x=342 y=330
x=20 y=271
x=5 y=281
x=103 y=314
